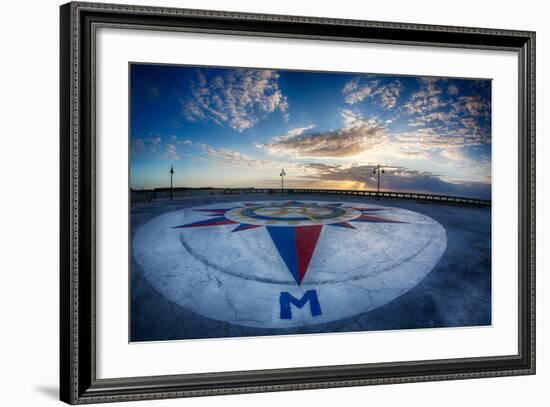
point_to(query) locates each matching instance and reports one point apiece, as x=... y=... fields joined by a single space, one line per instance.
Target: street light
x=171 y=185
x=282 y=174
x=377 y=171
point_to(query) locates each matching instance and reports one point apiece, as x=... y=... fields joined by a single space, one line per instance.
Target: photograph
x=267 y=201
x=270 y=200
x=275 y=204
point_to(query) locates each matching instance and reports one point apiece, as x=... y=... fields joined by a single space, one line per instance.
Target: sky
x=238 y=127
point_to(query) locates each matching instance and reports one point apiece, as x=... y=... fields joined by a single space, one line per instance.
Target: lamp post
x=377 y=171
x=171 y=184
x=282 y=174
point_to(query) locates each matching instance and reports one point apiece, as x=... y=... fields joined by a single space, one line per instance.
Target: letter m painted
x=310 y=296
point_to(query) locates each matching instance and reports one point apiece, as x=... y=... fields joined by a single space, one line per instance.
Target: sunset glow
x=229 y=127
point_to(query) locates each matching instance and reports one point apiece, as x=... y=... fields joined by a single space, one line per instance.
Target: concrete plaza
x=456 y=292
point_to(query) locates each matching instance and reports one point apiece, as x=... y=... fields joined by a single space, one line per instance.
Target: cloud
x=356 y=136
x=359 y=135
x=237 y=98
x=473 y=105
x=146 y=145
x=465 y=117
x=412 y=154
x=299 y=130
x=426 y=99
x=365 y=87
x=467 y=168
x=324 y=167
x=427 y=139
x=171 y=152
x=453 y=155
x=396 y=178
x=425 y=142
x=230 y=158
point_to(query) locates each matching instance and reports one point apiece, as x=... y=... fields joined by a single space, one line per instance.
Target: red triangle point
x=306 y=241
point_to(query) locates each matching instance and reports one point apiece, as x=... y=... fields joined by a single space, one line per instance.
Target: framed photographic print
x=257 y=203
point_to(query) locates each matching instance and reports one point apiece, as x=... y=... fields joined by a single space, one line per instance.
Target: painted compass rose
x=284 y=264
x=294 y=226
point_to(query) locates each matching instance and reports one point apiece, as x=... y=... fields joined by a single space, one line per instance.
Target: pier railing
x=182 y=193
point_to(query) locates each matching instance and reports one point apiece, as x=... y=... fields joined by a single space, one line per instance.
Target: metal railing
x=178 y=193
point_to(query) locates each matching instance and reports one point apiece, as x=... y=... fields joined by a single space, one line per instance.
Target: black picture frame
x=78 y=382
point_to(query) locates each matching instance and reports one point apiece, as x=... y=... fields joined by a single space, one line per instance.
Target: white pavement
x=240 y=276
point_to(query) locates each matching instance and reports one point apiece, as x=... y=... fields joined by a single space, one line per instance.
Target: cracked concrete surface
x=402 y=293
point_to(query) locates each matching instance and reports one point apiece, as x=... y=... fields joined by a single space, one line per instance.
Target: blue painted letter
x=310 y=296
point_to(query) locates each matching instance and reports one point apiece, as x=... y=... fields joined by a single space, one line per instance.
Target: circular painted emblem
x=292 y=214
x=278 y=264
